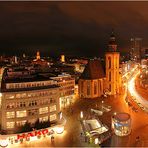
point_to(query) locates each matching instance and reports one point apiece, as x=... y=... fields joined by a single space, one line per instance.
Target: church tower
x=112 y=66
x=38 y=55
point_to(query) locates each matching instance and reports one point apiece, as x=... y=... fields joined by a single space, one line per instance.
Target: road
x=134 y=93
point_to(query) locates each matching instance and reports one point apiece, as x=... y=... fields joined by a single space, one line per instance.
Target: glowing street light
x=96 y=140
x=81 y=114
x=102 y=104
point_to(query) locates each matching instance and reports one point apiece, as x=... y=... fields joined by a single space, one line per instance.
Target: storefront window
x=43 y=119
x=20 y=123
x=53 y=117
x=10 y=124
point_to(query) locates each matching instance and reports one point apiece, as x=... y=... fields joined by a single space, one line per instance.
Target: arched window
x=88 y=88
x=95 y=87
x=110 y=76
x=109 y=62
x=82 y=86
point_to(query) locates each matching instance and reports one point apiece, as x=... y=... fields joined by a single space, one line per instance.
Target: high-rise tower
x=136 y=49
x=112 y=66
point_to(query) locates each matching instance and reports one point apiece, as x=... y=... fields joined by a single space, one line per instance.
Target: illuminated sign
x=30 y=136
x=34 y=134
x=4 y=143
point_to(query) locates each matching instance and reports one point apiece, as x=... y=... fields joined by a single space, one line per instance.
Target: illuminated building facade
x=39 y=61
x=67 y=86
x=62 y=58
x=121 y=124
x=26 y=99
x=136 y=49
x=112 y=66
x=91 y=82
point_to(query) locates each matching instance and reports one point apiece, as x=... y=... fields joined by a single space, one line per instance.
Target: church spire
x=112 y=42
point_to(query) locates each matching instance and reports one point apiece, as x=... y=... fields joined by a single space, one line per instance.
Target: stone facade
x=91 y=82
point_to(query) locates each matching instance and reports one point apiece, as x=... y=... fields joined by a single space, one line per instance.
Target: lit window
x=88 y=88
x=21 y=113
x=52 y=108
x=19 y=123
x=11 y=97
x=10 y=124
x=53 y=117
x=43 y=119
x=95 y=87
x=43 y=110
x=18 y=96
x=109 y=62
x=110 y=76
x=10 y=115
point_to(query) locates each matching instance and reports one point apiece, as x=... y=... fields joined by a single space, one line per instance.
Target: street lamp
x=102 y=104
x=81 y=114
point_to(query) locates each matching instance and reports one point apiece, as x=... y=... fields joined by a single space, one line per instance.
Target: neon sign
x=34 y=134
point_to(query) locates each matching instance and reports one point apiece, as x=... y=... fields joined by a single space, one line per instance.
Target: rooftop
x=30 y=78
x=122 y=116
x=29 y=89
x=93 y=70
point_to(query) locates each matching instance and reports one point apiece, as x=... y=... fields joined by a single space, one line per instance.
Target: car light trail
x=133 y=92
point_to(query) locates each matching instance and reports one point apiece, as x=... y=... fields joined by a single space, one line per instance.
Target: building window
x=95 y=87
x=10 y=105
x=82 y=85
x=11 y=97
x=33 y=103
x=110 y=76
x=88 y=88
x=43 y=110
x=43 y=119
x=20 y=123
x=117 y=62
x=10 y=124
x=20 y=104
x=100 y=86
x=110 y=87
x=18 y=95
x=32 y=112
x=53 y=108
x=109 y=62
x=53 y=117
x=21 y=113
x=10 y=114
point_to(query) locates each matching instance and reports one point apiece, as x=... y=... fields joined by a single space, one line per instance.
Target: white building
x=67 y=86
x=27 y=99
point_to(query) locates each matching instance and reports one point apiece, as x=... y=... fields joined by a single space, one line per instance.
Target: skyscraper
x=136 y=46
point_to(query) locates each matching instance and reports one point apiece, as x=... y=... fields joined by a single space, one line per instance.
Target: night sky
x=70 y=28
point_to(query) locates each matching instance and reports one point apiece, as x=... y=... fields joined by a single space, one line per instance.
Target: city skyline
x=70 y=28
x=73 y=74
